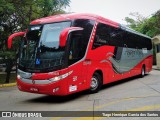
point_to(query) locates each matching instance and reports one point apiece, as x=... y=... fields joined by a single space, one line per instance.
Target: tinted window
x=87 y=26
x=130 y=40
x=136 y=41
x=116 y=38
x=148 y=43
x=79 y=40
x=108 y=35
x=102 y=36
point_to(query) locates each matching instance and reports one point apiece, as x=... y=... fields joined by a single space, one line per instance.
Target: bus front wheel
x=96 y=83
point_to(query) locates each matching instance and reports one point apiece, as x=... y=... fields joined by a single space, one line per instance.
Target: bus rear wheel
x=96 y=83
x=143 y=71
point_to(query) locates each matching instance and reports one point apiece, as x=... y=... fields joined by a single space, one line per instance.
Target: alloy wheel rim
x=142 y=71
x=94 y=83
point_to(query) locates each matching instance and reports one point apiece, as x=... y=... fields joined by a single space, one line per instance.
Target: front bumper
x=43 y=87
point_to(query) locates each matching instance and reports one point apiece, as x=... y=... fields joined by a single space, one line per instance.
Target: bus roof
x=72 y=16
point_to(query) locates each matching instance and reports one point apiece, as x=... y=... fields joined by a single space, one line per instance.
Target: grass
x=3 y=78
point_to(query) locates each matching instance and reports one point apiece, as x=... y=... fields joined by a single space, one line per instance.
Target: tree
x=149 y=26
x=16 y=15
x=135 y=21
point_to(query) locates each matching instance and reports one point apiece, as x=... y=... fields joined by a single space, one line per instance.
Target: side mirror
x=64 y=35
x=10 y=39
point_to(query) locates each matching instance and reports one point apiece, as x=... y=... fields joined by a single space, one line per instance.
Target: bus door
x=76 y=63
x=118 y=60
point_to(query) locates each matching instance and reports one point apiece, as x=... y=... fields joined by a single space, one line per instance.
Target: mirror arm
x=13 y=36
x=64 y=34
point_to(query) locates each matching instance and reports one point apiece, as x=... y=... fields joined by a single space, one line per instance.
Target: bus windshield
x=40 y=50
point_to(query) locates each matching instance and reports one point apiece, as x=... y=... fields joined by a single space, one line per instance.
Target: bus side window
x=108 y=35
x=102 y=36
x=116 y=38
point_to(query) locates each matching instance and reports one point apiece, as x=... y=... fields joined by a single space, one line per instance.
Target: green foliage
x=12 y=79
x=15 y=15
x=149 y=26
x=50 y=7
x=8 y=54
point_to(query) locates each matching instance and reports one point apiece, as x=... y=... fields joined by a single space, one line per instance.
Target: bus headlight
x=57 y=78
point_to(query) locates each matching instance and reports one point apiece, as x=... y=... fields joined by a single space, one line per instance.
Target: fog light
x=55 y=89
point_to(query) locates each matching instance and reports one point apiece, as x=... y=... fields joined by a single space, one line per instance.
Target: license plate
x=34 y=89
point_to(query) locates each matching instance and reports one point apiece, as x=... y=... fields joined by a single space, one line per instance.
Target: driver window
x=76 y=48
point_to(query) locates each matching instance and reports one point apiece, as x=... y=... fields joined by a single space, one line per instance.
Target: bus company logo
x=6 y=114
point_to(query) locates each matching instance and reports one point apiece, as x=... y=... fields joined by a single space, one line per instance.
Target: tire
x=96 y=83
x=143 y=72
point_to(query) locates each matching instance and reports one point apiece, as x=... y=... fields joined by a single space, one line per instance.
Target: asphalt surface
x=133 y=94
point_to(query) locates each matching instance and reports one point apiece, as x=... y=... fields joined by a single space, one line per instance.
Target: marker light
x=56 y=89
x=18 y=76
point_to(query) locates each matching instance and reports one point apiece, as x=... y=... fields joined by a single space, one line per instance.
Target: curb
x=155 y=69
x=8 y=85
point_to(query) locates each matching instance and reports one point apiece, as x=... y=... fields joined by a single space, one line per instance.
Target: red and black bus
x=68 y=53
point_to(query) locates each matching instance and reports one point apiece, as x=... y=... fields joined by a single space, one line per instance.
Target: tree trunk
x=9 y=65
x=7 y=77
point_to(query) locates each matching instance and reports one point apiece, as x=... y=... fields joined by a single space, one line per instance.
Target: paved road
x=138 y=94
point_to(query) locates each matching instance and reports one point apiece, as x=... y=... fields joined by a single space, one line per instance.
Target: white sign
x=72 y=88
x=144 y=50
